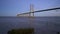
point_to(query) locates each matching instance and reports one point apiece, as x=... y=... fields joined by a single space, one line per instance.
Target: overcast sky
x=13 y=7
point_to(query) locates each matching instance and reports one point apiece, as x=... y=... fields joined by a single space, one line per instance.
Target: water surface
x=42 y=25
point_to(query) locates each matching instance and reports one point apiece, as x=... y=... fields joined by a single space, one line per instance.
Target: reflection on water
x=42 y=25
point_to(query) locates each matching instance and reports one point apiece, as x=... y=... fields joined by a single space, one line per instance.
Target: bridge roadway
x=29 y=13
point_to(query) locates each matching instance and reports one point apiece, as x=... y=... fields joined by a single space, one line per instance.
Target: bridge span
x=31 y=13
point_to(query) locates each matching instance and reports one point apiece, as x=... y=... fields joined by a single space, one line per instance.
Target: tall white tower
x=31 y=9
x=31 y=15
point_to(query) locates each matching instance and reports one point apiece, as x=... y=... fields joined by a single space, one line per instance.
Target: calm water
x=42 y=25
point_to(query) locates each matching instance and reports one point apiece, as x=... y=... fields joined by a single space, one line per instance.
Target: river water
x=42 y=25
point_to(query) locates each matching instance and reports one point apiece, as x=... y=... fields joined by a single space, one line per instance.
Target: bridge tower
x=31 y=15
x=31 y=9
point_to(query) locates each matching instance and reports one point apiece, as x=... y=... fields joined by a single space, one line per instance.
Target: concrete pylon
x=31 y=9
x=31 y=16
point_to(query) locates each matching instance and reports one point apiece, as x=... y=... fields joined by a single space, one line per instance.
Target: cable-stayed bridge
x=31 y=13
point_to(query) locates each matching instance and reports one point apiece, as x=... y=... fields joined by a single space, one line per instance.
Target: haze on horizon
x=13 y=7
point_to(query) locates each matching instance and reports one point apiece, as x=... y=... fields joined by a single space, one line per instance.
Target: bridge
x=31 y=20
x=31 y=13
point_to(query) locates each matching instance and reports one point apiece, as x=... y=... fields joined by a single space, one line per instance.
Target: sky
x=14 y=7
